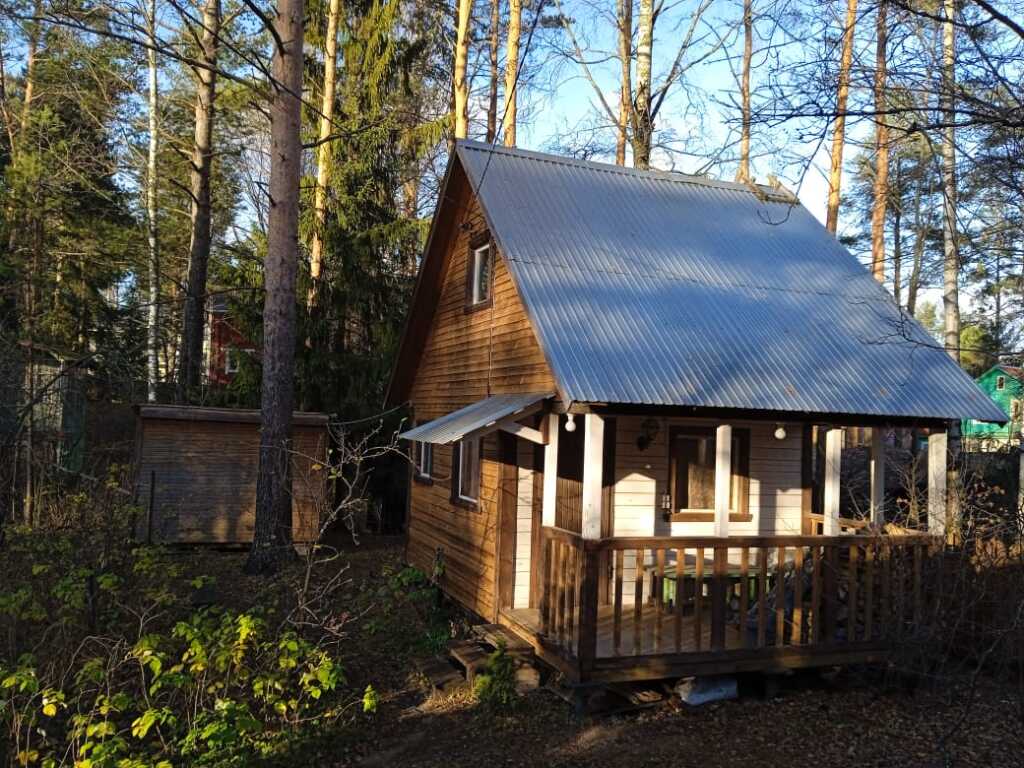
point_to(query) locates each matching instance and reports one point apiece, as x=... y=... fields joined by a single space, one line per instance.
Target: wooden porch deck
x=657 y=635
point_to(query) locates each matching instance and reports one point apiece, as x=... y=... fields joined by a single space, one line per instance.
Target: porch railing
x=690 y=595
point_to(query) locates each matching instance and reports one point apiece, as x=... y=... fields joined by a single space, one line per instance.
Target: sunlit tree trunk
x=492 y=95
x=881 y=187
x=152 y=232
x=951 y=260
x=272 y=535
x=202 y=162
x=920 y=236
x=743 y=172
x=643 y=128
x=515 y=19
x=897 y=235
x=835 y=176
x=465 y=9
x=625 y=20
x=323 y=153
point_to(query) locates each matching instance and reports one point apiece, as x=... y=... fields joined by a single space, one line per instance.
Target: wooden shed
x=196 y=473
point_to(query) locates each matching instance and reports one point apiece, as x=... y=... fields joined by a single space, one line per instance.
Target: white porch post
x=833 y=462
x=593 y=465
x=550 y=472
x=938 y=449
x=877 y=477
x=723 y=477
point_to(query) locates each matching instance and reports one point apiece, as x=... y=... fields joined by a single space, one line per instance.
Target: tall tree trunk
x=920 y=234
x=881 y=191
x=897 y=235
x=323 y=154
x=199 y=246
x=492 y=95
x=271 y=543
x=152 y=233
x=465 y=9
x=835 y=176
x=515 y=20
x=625 y=19
x=743 y=172
x=951 y=259
x=643 y=128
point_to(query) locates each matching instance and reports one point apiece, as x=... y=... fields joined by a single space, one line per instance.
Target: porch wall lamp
x=570 y=423
x=780 y=432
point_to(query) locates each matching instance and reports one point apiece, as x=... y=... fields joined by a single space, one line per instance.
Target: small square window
x=424 y=460
x=480 y=277
x=232 y=360
x=468 y=479
x=1000 y=382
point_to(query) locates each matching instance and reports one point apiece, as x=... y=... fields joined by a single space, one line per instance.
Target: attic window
x=481 y=263
x=1000 y=382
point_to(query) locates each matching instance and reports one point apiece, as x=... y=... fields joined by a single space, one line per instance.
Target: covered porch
x=633 y=551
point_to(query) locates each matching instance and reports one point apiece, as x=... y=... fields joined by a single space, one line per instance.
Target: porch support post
x=877 y=477
x=723 y=478
x=938 y=452
x=550 y=472
x=593 y=466
x=833 y=462
x=593 y=495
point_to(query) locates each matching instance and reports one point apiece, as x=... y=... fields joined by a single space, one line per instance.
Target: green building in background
x=1005 y=385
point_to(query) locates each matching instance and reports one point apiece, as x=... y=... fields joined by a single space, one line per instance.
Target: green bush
x=105 y=662
x=495 y=687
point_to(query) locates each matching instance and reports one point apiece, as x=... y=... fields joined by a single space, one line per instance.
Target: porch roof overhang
x=479 y=418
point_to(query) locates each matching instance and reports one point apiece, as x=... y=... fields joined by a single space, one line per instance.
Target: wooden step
x=442 y=674
x=494 y=634
x=471 y=656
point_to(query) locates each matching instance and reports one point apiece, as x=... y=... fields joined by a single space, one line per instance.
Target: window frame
x=739 y=511
x=228 y=368
x=458 y=473
x=423 y=463
x=477 y=243
x=1000 y=383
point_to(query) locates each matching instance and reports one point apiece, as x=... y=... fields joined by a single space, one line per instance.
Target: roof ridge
x=763 y=192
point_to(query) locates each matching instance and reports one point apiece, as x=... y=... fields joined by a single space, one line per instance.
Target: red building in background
x=225 y=345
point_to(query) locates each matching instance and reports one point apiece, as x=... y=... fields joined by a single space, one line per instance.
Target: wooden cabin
x=196 y=474
x=620 y=382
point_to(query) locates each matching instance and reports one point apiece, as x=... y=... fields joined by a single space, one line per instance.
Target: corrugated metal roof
x=480 y=415
x=657 y=288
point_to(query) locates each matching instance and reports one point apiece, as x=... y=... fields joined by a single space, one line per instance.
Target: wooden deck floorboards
x=529 y=618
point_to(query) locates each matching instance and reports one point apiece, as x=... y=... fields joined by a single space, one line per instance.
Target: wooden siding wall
x=641 y=477
x=204 y=473
x=468 y=356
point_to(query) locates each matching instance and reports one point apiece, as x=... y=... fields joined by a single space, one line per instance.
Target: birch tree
x=272 y=535
x=200 y=214
x=152 y=231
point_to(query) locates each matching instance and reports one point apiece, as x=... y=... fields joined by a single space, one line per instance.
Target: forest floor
x=809 y=721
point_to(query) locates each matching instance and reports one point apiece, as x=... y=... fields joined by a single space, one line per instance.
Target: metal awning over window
x=479 y=418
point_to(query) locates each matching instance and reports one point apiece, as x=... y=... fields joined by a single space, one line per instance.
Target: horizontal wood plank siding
x=642 y=477
x=468 y=356
x=204 y=474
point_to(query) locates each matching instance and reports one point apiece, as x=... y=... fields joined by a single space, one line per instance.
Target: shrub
x=495 y=687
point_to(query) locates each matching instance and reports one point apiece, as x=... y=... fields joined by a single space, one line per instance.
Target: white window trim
x=462 y=469
x=478 y=260
x=424 y=460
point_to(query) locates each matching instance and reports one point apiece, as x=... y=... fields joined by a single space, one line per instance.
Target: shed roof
x=657 y=288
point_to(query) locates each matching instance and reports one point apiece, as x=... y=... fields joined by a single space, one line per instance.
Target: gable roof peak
x=772 y=192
